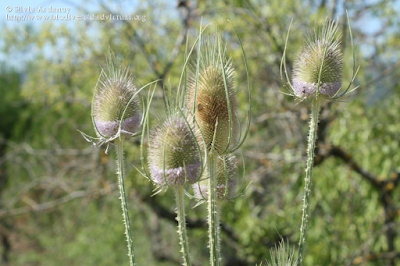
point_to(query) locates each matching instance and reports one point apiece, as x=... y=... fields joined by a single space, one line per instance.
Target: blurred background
x=58 y=198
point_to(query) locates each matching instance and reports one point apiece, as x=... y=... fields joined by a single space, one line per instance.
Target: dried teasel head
x=212 y=97
x=319 y=65
x=115 y=107
x=227 y=180
x=174 y=158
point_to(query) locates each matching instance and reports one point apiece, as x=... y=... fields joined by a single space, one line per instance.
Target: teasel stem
x=124 y=203
x=180 y=211
x=312 y=137
x=217 y=222
x=213 y=219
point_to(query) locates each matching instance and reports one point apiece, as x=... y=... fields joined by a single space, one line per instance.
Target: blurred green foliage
x=44 y=160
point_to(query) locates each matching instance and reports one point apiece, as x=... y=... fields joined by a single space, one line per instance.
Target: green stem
x=124 y=203
x=183 y=239
x=312 y=137
x=218 y=240
x=213 y=220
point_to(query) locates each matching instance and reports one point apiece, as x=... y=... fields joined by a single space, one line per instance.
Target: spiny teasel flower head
x=227 y=181
x=319 y=65
x=114 y=102
x=212 y=97
x=174 y=158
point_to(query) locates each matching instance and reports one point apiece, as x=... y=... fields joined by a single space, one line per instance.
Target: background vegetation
x=58 y=198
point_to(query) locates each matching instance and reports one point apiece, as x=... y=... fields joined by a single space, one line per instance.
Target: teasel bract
x=317 y=75
x=282 y=255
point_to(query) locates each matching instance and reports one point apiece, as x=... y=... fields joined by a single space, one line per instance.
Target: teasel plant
x=282 y=255
x=317 y=75
x=211 y=106
x=228 y=186
x=175 y=160
x=116 y=115
x=174 y=157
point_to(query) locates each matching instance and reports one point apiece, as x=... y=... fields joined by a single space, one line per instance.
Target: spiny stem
x=183 y=239
x=213 y=220
x=312 y=137
x=124 y=203
x=218 y=240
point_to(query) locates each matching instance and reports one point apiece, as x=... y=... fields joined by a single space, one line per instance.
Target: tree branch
x=50 y=205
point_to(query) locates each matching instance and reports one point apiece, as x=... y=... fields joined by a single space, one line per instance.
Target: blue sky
x=30 y=3
x=367 y=24
x=11 y=6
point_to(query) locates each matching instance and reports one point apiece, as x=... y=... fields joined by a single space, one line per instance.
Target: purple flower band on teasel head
x=302 y=88
x=176 y=176
x=110 y=128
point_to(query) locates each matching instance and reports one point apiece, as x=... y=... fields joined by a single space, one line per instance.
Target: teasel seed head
x=113 y=96
x=174 y=158
x=227 y=180
x=322 y=49
x=208 y=99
